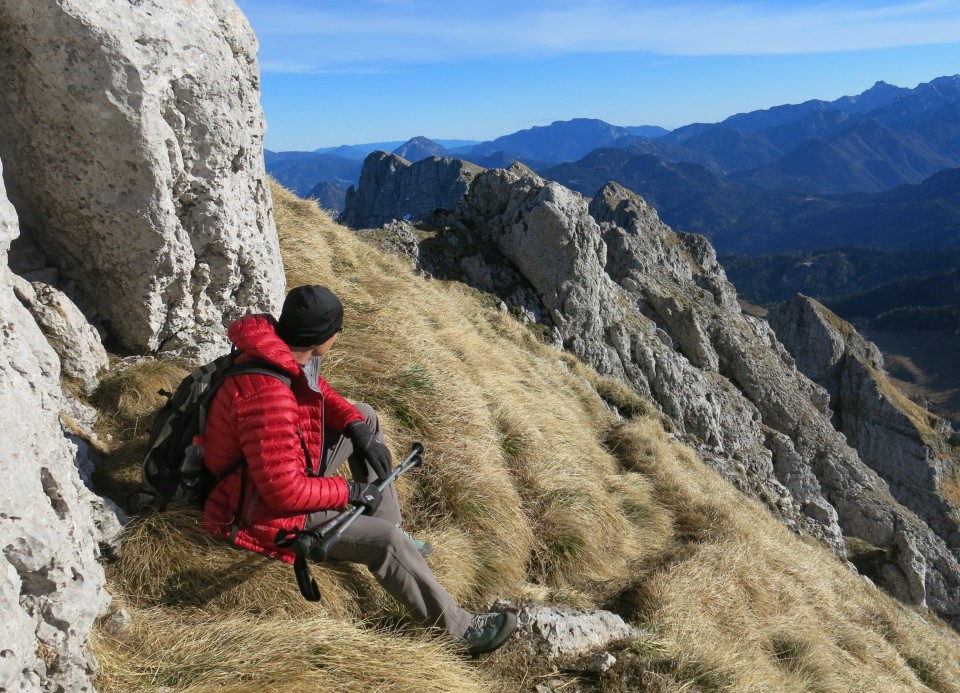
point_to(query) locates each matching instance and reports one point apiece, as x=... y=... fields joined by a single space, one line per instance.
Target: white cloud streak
x=375 y=35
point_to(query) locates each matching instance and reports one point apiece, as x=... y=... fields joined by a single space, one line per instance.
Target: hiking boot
x=487 y=632
x=424 y=547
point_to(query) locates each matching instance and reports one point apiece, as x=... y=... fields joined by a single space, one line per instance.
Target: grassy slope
x=531 y=490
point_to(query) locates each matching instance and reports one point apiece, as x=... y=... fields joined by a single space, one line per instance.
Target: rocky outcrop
x=131 y=137
x=77 y=343
x=913 y=450
x=393 y=188
x=571 y=632
x=131 y=133
x=653 y=308
x=51 y=585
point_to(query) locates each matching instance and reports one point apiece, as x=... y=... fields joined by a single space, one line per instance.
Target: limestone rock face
x=51 y=585
x=653 y=308
x=546 y=234
x=906 y=445
x=132 y=137
x=77 y=343
x=393 y=188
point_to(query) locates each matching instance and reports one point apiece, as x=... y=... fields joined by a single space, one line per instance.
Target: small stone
x=602 y=663
x=118 y=623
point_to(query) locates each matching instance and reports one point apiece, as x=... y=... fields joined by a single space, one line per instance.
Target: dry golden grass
x=740 y=604
x=950 y=486
x=128 y=397
x=531 y=489
x=191 y=652
x=921 y=419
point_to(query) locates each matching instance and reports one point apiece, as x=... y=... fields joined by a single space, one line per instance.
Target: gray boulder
x=572 y=632
x=545 y=233
x=133 y=140
x=77 y=343
x=51 y=585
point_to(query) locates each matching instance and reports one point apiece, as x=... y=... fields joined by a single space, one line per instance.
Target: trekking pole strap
x=306 y=583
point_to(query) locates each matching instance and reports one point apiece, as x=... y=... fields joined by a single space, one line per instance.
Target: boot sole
x=509 y=625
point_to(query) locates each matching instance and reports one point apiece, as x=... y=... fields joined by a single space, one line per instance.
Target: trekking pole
x=338 y=525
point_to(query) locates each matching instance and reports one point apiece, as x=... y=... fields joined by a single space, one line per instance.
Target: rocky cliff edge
x=607 y=280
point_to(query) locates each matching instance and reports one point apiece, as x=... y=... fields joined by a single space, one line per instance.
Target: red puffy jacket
x=257 y=418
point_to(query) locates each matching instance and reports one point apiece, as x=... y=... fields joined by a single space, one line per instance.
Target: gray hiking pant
x=376 y=542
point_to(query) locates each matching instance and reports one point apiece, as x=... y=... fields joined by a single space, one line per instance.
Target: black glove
x=373 y=451
x=366 y=495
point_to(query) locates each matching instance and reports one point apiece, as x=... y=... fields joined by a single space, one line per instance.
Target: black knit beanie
x=311 y=315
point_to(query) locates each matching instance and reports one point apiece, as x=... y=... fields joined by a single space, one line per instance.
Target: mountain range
x=885 y=137
x=877 y=170
x=713 y=478
x=738 y=218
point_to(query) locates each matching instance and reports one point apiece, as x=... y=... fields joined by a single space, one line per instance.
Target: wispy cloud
x=357 y=35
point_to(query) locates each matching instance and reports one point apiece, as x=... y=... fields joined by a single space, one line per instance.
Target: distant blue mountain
x=453 y=144
x=420 y=148
x=743 y=175
x=360 y=151
x=739 y=218
x=345 y=151
x=271 y=158
x=563 y=140
x=648 y=131
x=302 y=171
x=505 y=160
x=884 y=137
x=364 y=149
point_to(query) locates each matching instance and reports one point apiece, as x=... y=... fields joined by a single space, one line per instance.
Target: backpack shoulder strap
x=261 y=368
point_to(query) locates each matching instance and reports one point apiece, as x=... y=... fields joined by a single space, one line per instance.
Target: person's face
x=322 y=349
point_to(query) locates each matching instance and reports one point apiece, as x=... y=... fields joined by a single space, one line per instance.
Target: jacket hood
x=256 y=336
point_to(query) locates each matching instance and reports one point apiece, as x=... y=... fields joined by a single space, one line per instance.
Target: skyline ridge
x=382 y=70
x=839 y=102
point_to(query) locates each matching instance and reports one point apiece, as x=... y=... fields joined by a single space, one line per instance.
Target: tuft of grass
x=923 y=421
x=129 y=395
x=195 y=652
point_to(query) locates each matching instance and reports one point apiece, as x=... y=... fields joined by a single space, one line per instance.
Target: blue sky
x=351 y=71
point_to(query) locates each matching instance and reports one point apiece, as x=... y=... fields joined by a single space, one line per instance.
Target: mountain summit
x=420 y=148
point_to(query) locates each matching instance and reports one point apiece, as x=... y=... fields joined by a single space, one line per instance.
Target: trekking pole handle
x=341 y=522
x=412 y=460
x=407 y=463
x=331 y=524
